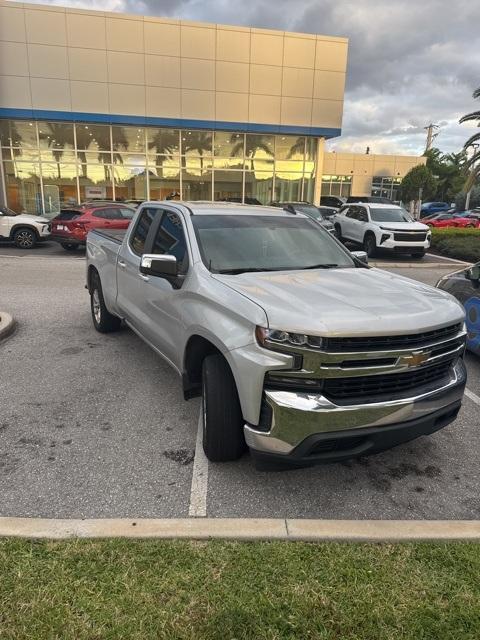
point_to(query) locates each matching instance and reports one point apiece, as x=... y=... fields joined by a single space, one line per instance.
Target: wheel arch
x=92 y=271
x=196 y=350
x=24 y=225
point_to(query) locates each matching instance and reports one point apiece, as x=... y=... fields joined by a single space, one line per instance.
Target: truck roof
x=200 y=207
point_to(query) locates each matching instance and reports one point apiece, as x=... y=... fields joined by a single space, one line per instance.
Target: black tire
x=370 y=245
x=25 y=238
x=418 y=254
x=103 y=320
x=69 y=247
x=338 y=232
x=223 y=439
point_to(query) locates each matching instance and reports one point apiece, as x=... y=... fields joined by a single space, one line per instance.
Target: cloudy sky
x=411 y=62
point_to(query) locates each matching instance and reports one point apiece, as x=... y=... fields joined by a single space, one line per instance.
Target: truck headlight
x=268 y=338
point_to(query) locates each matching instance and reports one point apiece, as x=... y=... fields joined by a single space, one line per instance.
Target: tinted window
x=139 y=236
x=362 y=214
x=69 y=215
x=121 y=213
x=170 y=239
x=396 y=214
x=101 y=213
x=352 y=212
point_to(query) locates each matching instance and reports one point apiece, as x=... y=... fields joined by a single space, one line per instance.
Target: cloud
x=411 y=62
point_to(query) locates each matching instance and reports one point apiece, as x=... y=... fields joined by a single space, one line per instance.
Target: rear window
x=68 y=215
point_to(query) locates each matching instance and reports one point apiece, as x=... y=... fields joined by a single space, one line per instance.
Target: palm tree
x=165 y=143
x=298 y=147
x=473 y=142
x=57 y=138
x=10 y=136
x=253 y=144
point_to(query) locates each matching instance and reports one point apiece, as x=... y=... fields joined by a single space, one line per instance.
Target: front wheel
x=103 y=320
x=223 y=439
x=370 y=245
x=25 y=238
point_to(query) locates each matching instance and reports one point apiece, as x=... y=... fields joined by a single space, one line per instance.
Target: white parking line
x=472 y=396
x=198 y=492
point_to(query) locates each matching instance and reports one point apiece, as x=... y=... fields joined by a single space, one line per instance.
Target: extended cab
x=298 y=349
x=23 y=229
x=382 y=226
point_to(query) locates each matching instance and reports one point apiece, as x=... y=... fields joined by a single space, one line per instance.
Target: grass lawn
x=142 y=590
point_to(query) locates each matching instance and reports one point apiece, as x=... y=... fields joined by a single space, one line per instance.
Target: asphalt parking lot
x=95 y=426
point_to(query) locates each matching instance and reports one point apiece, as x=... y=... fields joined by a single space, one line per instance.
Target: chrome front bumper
x=297 y=416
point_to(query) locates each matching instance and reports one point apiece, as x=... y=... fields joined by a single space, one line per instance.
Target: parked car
x=372 y=199
x=382 y=226
x=71 y=226
x=23 y=229
x=465 y=286
x=452 y=220
x=238 y=200
x=319 y=214
x=298 y=349
x=332 y=201
x=434 y=207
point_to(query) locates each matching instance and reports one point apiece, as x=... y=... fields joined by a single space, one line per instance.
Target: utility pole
x=430 y=135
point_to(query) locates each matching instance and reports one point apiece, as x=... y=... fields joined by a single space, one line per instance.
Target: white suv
x=382 y=226
x=23 y=229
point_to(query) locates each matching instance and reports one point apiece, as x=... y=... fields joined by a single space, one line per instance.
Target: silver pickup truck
x=299 y=349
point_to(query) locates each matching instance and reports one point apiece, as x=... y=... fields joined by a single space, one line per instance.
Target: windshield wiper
x=244 y=270
x=320 y=266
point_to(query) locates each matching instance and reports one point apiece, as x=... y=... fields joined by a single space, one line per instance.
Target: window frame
x=157 y=223
x=148 y=240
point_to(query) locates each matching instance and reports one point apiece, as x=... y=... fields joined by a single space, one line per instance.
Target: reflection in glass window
x=259 y=186
x=130 y=182
x=311 y=150
x=229 y=145
x=57 y=136
x=289 y=148
x=170 y=239
x=128 y=139
x=386 y=187
x=93 y=136
x=162 y=185
x=336 y=185
x=196 y=186
x=59 y=186
x=163 y=142
x=259 y=146
x=197 y=143
x=228 y=185
x=288 y=190
x=18 y=133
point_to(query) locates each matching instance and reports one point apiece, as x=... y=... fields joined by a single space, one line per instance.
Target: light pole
x=469 y=192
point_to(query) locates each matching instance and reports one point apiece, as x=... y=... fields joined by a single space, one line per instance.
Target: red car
x=451 y=220
x=71 y=226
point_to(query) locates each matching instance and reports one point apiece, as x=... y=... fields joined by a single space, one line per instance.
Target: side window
x=352 y=213
x=362 y=214
x=171 y=239
x=101 y=213
x=139 y=236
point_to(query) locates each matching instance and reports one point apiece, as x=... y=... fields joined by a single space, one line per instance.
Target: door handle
x=122 y=264
x=144 y=278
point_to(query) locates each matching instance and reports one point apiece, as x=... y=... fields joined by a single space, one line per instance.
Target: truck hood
x=403 y=226
x=346 y=302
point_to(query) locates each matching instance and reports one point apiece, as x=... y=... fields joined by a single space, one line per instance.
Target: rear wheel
x=25 y=238
x=223 y=438
x=370 y=245
x=103 y=320
x=68 y=246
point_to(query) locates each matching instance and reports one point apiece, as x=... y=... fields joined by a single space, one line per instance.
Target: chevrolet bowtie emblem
x=415 y=359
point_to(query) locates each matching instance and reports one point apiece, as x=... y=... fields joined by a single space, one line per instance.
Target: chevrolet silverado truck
x=298 y=348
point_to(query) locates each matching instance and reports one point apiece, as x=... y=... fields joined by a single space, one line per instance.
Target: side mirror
x=360 y=255
x=159 y=265
x=473 y=273
x=290 y=208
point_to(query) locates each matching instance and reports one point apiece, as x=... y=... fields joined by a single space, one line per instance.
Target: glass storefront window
x=229 y=145
x=228 y=184
x=162 y=185
x=336 y=185
x=259 y=146
x=289 y=148
x=93 y=136
x=130 y=182
x=386 y=187
x=259 y=186
x=130 y=139
x=22 y=181
x=197 y=144
x=162 y=143
x=196 y=186
x=288 y=189
x=18 y=133
x=59 y=186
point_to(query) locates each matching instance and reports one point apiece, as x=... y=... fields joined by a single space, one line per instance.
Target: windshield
x=395 y=214
x=235 y=244
x=8 y=212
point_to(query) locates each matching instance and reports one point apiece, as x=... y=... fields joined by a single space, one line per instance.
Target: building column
x=319 y=170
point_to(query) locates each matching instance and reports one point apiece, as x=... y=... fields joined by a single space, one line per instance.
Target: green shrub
x=461 y=244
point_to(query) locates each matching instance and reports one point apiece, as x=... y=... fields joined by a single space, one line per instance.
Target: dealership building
x=106 y=105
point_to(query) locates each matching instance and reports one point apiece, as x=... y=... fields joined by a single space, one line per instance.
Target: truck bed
x=115 y=235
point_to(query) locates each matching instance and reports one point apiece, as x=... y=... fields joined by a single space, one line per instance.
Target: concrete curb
x=7 y=325
x=245 y=529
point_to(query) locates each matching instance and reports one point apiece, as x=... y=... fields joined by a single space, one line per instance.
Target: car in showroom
x=434 y=207
x=71 y=226
x=319 y=214
x=452 y=220
x=465 y=286
x=23 y=229
x=382 y=226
